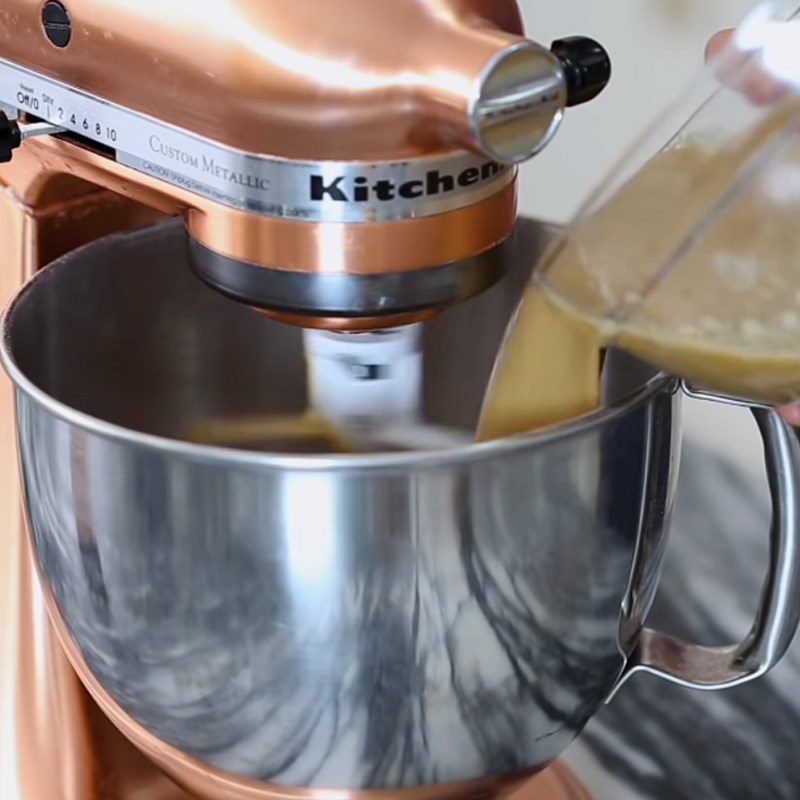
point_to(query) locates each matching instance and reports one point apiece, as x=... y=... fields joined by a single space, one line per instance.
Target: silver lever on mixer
x=13 y=133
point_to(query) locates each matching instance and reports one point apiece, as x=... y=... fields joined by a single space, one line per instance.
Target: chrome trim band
x=327 y=191
x=345 y=294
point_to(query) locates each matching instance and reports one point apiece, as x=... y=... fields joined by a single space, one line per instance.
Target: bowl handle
x=710 y=668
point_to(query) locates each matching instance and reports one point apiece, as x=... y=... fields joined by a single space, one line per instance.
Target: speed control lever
x=14 y=133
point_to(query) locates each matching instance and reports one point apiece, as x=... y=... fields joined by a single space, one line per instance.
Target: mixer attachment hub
x=346 y=300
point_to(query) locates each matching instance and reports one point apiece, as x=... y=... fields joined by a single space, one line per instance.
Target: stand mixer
x=195 y=614
x=346 y=170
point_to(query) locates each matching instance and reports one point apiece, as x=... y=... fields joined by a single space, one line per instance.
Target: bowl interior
x=123 y=331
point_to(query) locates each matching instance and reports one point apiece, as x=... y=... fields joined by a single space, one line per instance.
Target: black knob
x=10 y=138
x=587 y=67
x=56 y=23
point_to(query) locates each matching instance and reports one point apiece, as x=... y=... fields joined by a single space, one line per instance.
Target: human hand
x=760 y=88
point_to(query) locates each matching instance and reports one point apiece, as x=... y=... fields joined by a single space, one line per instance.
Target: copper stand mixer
x=348 y=169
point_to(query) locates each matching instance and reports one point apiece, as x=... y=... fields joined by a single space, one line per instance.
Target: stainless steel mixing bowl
x=357 y=621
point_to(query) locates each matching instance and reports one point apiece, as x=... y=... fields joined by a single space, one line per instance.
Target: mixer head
x=348 y=170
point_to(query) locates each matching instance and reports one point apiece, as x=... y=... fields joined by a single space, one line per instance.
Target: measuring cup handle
x=710 y=668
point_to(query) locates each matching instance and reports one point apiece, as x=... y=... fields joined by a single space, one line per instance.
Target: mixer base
x=133 y=777
x=127 y=775
x=555 y=783
x=116 y=770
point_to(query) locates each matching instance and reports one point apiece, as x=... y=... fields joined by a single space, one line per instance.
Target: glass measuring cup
x=691 y=258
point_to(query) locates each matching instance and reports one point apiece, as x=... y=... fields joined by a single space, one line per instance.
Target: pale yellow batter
x=308 y=432
x=725 y=315
x=548 y=372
